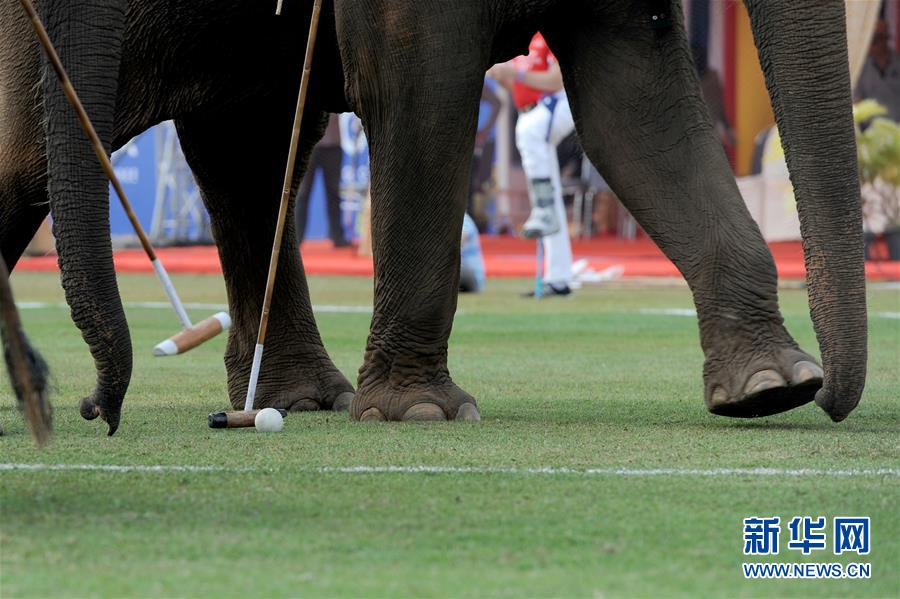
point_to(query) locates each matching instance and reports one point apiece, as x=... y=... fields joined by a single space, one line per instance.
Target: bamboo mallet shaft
x=283 y=207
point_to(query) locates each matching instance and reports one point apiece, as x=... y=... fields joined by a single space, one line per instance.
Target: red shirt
x=539 y=58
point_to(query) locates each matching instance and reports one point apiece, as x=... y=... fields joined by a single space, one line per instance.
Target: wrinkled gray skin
x=228 y=72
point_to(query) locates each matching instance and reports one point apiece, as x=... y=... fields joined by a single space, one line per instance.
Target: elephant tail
x=27 y=369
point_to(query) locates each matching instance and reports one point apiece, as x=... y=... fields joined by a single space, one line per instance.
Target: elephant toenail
x=806 y=372
x=719 y=396
x=305 y=405
x=372 y=415
x=468 y=413
x=342 y=403
x=424 y=412
x=763 y=381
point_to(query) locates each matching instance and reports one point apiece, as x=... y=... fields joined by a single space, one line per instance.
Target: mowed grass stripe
x=583 y=384
x=72 y=534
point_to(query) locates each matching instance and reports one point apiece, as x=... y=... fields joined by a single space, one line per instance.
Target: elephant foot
x=763 y=385
x=295 y=390
x=110 y=411
x=420 y=402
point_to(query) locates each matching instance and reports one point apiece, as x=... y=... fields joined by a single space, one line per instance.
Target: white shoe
x=541 y=223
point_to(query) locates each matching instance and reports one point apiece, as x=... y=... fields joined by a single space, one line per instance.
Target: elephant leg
x=24 y=202
x=238 y=158
x=418 y=99
x=641 y=118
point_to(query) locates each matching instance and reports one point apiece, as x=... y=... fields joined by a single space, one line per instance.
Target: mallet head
x=188 y=339
x=237 y=419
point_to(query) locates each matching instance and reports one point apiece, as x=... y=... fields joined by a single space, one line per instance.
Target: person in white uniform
x=545 y=119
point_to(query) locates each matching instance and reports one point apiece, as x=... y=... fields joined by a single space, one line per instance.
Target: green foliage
x=878 y=151
x=586 y=382
x=867 y=109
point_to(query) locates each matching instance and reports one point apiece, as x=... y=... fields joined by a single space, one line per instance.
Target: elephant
x=228 y=72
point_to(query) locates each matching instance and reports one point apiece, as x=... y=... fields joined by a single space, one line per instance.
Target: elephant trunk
x=803 y=52
x=88 y=37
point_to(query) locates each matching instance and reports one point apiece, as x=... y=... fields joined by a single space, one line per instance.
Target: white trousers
x=538 y=132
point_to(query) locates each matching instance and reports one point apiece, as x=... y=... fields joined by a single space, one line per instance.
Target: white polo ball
x=269 y=420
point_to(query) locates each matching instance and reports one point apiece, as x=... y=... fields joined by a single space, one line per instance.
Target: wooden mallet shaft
x=283 y=207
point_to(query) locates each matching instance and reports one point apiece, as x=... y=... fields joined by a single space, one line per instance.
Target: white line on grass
x=342 y=309
x=668 y=311
x=324 y=308
x=546 y=471
x=613 y=472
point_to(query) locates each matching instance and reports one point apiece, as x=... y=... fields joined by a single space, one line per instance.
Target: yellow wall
x=753 y=113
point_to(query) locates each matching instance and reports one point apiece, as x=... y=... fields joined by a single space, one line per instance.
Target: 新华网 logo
x=807 y=535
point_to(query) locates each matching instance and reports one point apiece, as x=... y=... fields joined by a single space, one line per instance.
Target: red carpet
x=503 y=256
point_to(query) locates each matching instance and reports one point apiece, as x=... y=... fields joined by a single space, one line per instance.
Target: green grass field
x=592 y=382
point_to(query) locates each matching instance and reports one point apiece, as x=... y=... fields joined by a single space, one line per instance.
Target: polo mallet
x=191 y=336
x=27 y=369
x=539 y=270
x=246 y=420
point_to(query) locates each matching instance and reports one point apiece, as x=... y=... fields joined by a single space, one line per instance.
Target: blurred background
x=160 y=185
